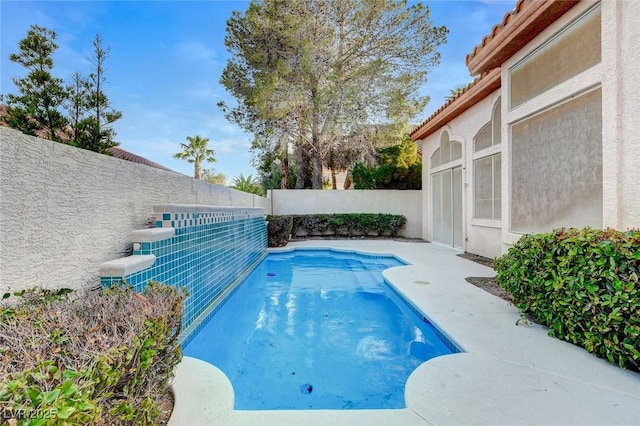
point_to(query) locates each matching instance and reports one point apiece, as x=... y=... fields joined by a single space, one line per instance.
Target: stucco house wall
x=64 y=210
x=480 y=236
x=561 y=93
x=621 y=112
x=612 y=82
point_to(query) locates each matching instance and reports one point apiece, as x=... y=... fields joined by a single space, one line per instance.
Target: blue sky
x=167 y=58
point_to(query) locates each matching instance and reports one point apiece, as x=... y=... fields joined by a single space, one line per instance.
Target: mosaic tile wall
x=208 y=252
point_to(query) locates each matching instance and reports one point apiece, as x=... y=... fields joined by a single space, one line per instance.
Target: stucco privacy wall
x=620 y=112
x=64 y=211
x=407 y=203
x=481 y=236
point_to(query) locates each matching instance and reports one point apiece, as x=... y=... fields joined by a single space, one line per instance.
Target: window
x=573 y=50
x=556 y=163
x=483 y=139
x=487 y=168
x=487 y=175
x=435 y=158
x=448 y=151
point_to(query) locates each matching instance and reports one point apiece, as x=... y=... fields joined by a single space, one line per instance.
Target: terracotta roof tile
x=473 y=93
x=118 y=152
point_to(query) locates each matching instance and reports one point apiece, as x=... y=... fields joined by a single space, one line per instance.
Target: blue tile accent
x=417 y=312
x=205 y=258
x=158 y=224
x=166 y=216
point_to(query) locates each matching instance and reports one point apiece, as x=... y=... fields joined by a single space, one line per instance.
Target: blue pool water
x=317 y=330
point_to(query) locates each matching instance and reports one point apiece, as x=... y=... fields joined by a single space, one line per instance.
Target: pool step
x=368 y=280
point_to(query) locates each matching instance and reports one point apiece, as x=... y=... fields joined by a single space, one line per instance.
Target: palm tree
x=248 y=184
x=453 y=93
x=196 y=152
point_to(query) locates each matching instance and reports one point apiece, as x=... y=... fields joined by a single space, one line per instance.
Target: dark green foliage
x=95 y=130
x=316 y=73
x=400 y=168
x=248 y=184
x=34 y=111
x=403 y=154
x=388 y=176
x=363 y=177
x=279 y=230
x=103 y=358
x=334 y=225
x=583 y=285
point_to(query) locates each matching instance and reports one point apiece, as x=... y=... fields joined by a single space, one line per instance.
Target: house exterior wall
x=620 y=111
x=407 y=203
x=615 y=77
x=566 y=91
x=480 y=236
x=64 y=210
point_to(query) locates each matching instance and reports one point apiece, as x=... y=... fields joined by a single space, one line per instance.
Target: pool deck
x=508 y=375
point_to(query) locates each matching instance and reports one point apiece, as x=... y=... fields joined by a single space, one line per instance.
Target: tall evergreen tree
x=96 y=129
x=35 y=111
x=76 y=106
x=323 y=70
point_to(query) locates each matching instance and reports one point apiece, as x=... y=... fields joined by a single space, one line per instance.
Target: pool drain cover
x=271 y=274
x=306 y=388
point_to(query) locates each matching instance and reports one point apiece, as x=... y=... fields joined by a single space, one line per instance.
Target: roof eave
x=479 y=90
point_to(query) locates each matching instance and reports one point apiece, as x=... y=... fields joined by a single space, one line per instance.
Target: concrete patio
x=508 y=374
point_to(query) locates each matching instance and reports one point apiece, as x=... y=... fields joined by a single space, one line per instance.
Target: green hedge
x=583 y=285
x=279 y=230
x=333 y=225
x=103 y=358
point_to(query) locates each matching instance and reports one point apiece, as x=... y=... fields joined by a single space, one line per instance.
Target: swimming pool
x=317 y=330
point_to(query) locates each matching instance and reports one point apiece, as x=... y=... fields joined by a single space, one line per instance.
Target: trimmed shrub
x=583 y=285
x=103 y=358
x=279 y=230
x=333 y=225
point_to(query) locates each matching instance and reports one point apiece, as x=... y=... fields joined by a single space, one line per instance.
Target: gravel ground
x=487 y=284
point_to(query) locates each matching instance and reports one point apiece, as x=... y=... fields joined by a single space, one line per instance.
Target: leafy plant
x=248 y=184
x=195 y=152
x=103 y=358
x=363 y=177
x=583 y=285
x=279 y=230
x=339 y=224
x=388 y=176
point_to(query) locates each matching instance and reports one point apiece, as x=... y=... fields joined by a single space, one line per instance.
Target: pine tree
x=76 y=106
x=35 y=111
x=96 y=132
x=323 y=70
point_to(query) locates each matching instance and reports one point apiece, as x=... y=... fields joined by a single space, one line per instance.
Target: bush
x=363 y=177
x=279 y=230
x=388 y=176
x=583 y=285
x=334 y=225
x=104 y=358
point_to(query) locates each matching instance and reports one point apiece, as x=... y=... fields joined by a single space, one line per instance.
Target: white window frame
x=494 y=149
